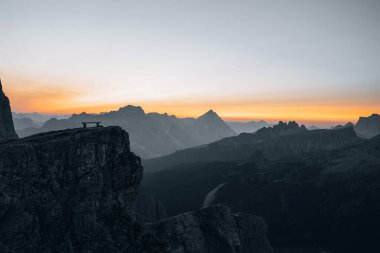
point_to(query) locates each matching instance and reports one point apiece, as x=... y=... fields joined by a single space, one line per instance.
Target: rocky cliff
x=7 y=131
x=75 y=191
x=213 y=229
x=70 y=191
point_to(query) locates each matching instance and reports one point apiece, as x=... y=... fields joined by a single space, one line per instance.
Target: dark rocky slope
x=75 y=191
x=279 y=141
x=214 y=229
x=318 y=201
x=7 y=131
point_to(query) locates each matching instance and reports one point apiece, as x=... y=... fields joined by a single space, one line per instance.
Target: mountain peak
x=210 y=115
x=131 y=109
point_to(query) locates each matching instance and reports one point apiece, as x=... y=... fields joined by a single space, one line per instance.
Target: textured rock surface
x=7 y=131
x=75 y=191
x=213 y=229
x=70 y=191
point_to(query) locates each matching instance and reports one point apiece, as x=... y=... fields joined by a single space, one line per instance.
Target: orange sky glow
x=59 y=99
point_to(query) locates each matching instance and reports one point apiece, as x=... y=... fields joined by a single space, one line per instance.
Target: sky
x=310 y=61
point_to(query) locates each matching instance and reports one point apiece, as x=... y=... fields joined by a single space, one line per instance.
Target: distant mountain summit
x=210 y=116
x=247 y=127
x=7 y=130
x=210 y=127
x=151 y=134
x=368 y=127
x=349 y=124
x=130 y=110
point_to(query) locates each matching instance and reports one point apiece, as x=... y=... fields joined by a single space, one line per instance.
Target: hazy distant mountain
x=22 y=123
x=349 y=124
x=211 y=127
x=247 y=127
x=312 y=127
x=282 y=140
x=39 y=118
x=368 y=127
x=151 y=134
x=29 y=123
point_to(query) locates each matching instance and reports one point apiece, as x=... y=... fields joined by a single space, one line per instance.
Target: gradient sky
x=311 y=61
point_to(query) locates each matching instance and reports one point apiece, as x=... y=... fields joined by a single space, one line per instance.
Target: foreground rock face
x=213 y=229
x=7 y=131
x=75 y=191
x=70 y=191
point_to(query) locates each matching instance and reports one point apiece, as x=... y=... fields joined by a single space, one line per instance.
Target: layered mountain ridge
x=151 y=134
x=281 y=140
x=315 y=201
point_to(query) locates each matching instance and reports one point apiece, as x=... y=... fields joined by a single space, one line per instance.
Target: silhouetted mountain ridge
x=151 y=134
x=281 y=140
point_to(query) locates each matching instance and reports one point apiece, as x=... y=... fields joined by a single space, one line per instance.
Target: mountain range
x=281 y=140
x=151 y=134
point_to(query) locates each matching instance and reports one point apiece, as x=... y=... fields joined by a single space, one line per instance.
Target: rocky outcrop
x=7 y=131
x=368 y=127
x=213 y=229
x=75 y=191
x=71 y=191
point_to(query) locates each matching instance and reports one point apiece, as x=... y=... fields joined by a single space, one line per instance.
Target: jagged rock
x=213 y=229
x=71 y=191
x=7 y=131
